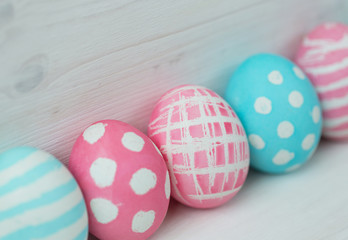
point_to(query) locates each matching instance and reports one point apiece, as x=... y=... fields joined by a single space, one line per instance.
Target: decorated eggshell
x=279 y=109
x=323 y=55
x=203 y=143
x=39 y=198
x=124 y=180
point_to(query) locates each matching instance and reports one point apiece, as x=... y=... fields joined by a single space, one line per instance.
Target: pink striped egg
x=323 y=55
x=203 y=143
x=123 y=178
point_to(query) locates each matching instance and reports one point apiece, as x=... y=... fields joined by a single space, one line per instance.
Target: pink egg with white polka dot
x=203 y=143
x=124 y=180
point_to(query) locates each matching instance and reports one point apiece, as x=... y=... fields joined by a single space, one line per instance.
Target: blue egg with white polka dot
x=279 y=109
x=39 y=198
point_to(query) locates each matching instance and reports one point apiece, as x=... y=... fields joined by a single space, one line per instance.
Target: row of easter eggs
x=201 y=151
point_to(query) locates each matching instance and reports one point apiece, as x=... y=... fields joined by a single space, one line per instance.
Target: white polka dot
x=295 y=99
x=142 y=221
x=285 y=129
x=159 y=152
x=316 y=114
x=298 y=72
x=103 y=210
x=256 y=141
x=133 y=142
x=167 y=186
x=143 y=181
x=308 y=141
x=275 y=77
x=283 y=157
x=103 y=172
x=263 y=105
x=94 y=132
x=293 y=168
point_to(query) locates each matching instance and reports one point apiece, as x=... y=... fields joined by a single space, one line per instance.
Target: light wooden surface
x=308 y=204
x=65 y=64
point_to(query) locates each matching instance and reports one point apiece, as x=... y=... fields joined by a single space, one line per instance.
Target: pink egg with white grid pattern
x=123 y=178
x=323 y=55
x=203 y=143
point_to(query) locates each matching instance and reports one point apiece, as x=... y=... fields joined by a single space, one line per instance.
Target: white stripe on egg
x=70 y=232
x=333 y=86
x=35 y=189
x=330 y=68
x=55 y=210
x=335 y=102
x=23 y=166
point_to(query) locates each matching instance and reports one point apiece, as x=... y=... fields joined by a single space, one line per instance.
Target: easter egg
x=39 y=198
x=323 y=55
x=203 y=143
x=124 y=180
x=279 y=109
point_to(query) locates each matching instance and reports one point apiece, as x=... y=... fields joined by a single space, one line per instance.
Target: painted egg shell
x=39 y=198
x=279 y=109
x=323 y=55
x=203 y=143
x=124 y=180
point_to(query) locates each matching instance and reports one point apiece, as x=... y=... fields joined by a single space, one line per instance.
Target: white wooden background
x=65 y=64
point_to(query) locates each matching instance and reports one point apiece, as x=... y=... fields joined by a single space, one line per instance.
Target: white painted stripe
x=338 y=133
x=325 y=46
x=194 y=122
x=41 y=215
x=186 y=146
x=333 y=86
x=330 y=68
x=335 y=122
x=183 y=88
x=334 y=103
x=34 y=190
x=22 y=166
x=214 y=195
x=189 y=145
x=180 y=169
x=70 y=232
x=170 y=162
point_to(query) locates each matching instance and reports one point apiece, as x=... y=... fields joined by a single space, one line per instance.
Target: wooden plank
x=65 y=64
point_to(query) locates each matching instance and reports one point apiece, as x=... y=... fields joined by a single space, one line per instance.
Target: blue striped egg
x=39 y=198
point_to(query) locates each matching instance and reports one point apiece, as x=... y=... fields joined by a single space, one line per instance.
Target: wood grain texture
x=66 y=64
